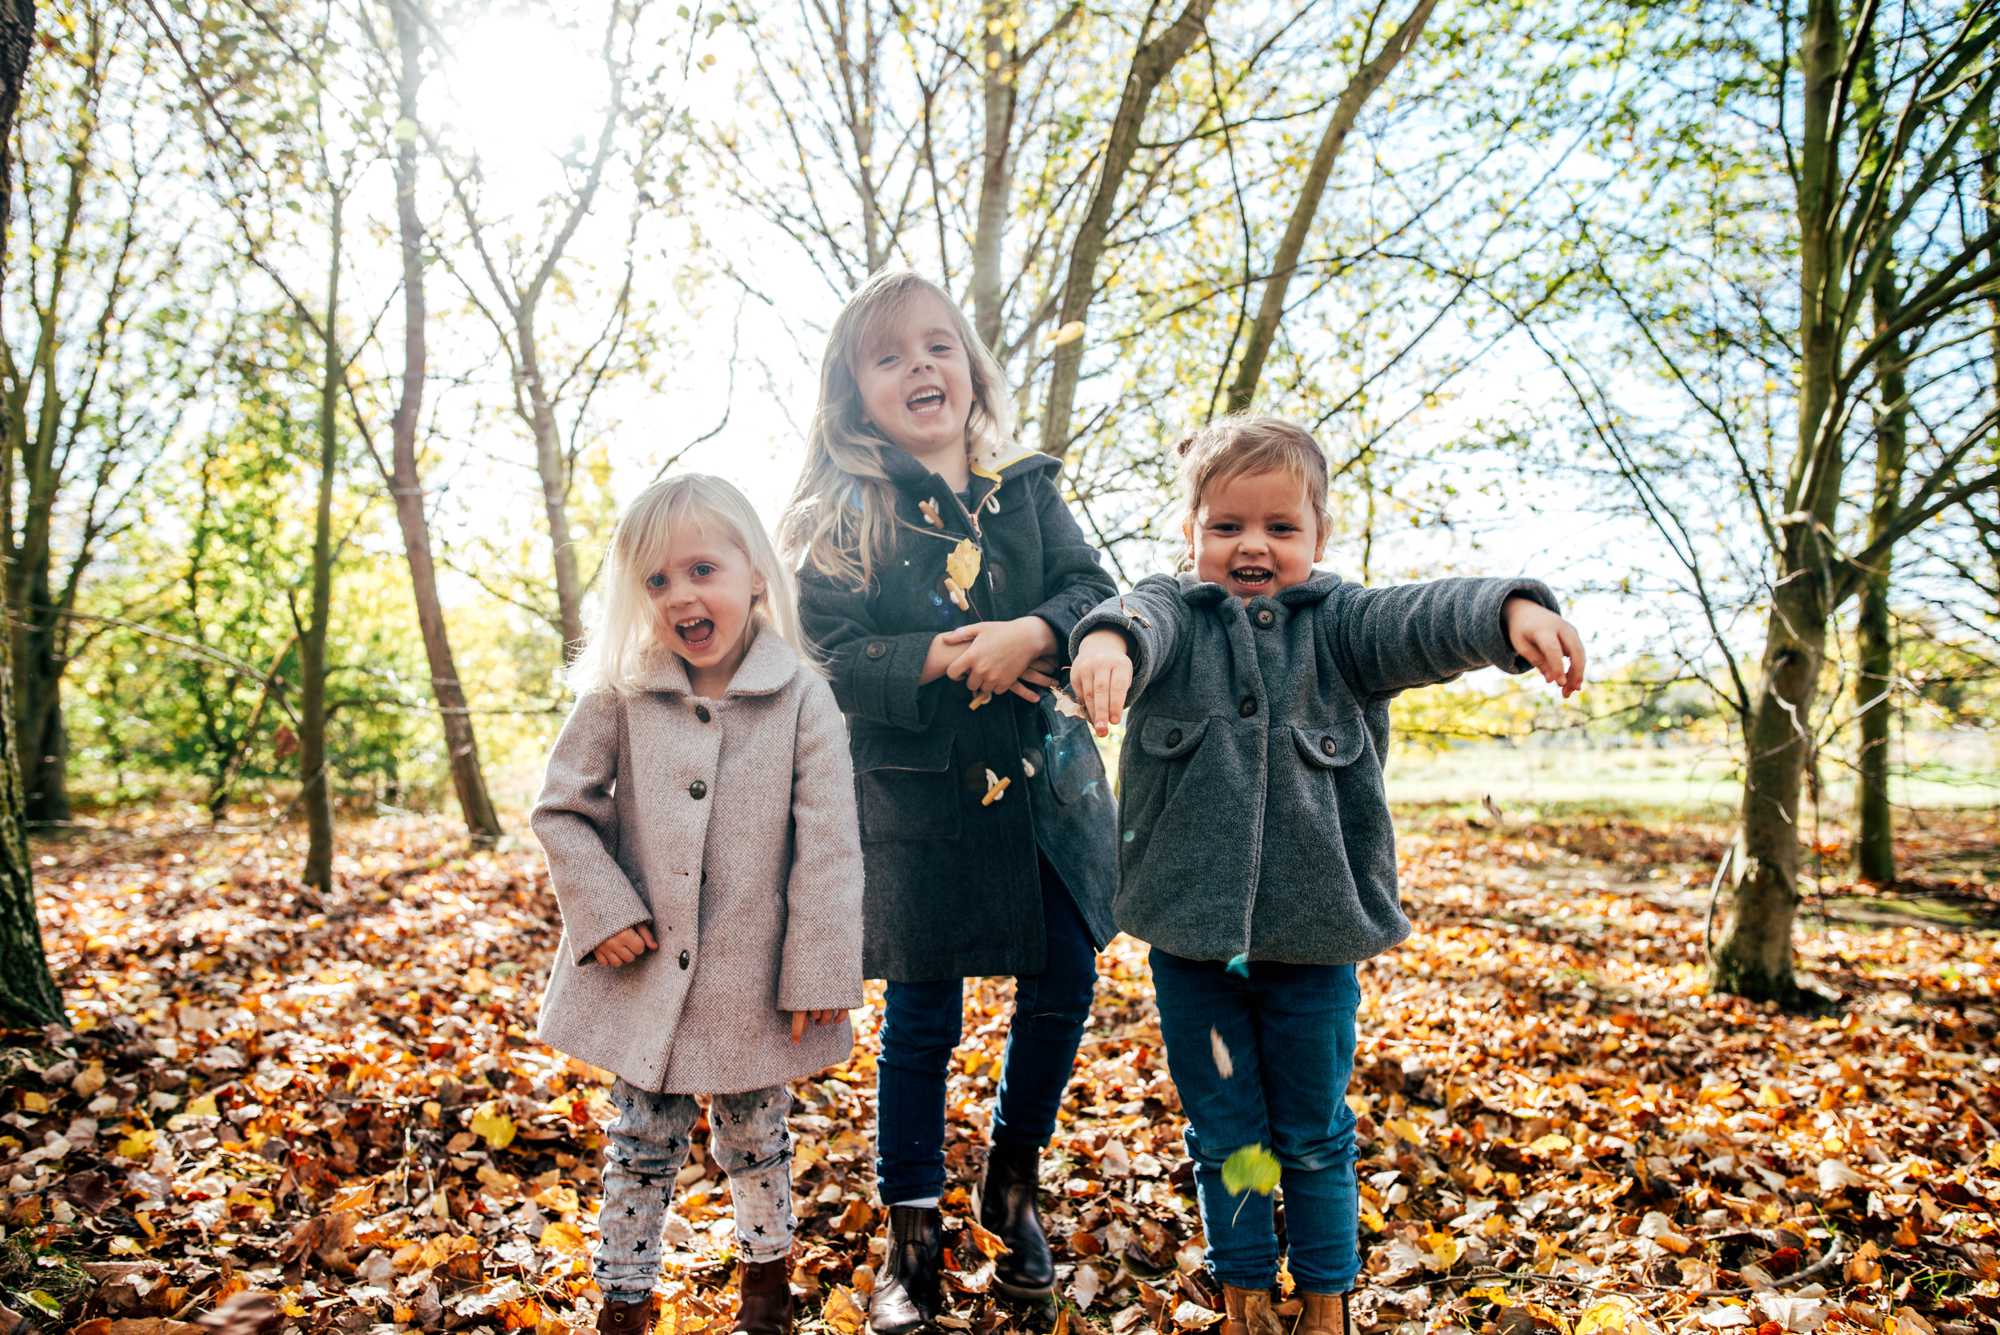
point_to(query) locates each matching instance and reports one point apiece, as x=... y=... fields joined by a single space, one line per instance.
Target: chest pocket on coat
x=903 y=785
x=1334 y=744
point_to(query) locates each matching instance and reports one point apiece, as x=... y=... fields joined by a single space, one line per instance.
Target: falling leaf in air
x=1224 y=1066
x=1252 y=1168
x=1069 y=333
x=996 y=788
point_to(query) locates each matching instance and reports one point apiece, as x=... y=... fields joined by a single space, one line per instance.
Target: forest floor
x=334 y=1115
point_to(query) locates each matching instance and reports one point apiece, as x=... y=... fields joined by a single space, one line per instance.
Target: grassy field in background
x=1932 y=771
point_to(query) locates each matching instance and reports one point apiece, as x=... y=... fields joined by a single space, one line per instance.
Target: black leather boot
x=906 y=1292
x=1007 y=1207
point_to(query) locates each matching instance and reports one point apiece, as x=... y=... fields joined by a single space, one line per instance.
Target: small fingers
x=646 y=935
x=1035 y=676
x=1573 y=644
x=798 y=1025
x=1025 y=691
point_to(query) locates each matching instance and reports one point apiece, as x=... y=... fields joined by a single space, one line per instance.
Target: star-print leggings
x=649 y=1143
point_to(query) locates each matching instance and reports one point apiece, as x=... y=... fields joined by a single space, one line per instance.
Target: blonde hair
x=623 y=635
x=1239 y=445
x=842 y=515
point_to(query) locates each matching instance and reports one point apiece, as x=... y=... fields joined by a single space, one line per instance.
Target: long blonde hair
x=623 y=635
x=842 y=515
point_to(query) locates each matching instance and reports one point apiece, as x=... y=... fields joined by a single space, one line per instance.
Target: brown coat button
x=1248 y=707
x=1326 y=745
x=697 y=790
x=876 y=649
x=1264 y=617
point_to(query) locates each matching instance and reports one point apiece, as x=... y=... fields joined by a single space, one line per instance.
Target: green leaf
x=37 y=1298
x=1252 y=1168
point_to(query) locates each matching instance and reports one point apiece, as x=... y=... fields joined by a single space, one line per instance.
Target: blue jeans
x=1289 y=1032
x=924 y=1022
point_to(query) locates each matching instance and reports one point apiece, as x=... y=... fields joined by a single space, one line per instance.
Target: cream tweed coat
x=728 y=825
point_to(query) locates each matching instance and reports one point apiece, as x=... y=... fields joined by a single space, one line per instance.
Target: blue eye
x=656 y=581
x=703 y=570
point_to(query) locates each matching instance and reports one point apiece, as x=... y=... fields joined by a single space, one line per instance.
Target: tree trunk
x=996 y=178
x=554 y=474
x=1285 y=263
x=28 y=993
x=1873 y=686
x=317 y=792
x=1754 y=957
x=42 y=738
x=468 y=780
x=1151 y=63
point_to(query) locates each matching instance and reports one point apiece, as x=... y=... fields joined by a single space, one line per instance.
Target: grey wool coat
x=954 y=882
x=728 y=825
x=1255 y=818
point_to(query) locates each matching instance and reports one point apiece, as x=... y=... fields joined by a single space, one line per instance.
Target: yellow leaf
x=963 y=563
x=127 y=1247
x=1610 y=1314
x=1443 y=1247
x=1069 y=333
x=34 y=1102
x=840 y=1312
x=561 y=1237
x=1553 y=1142
x=204 y=1107
x=492 y=1125
x=139 y=1144
x=89 y=1080
x=1406 y=1130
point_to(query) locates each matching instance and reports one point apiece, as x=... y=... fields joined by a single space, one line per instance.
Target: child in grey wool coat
x=1257 y=857
x=698 y=816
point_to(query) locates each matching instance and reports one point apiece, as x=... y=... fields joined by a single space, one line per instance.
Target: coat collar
x=1203 y=593
x=912 y=477
x=766 y=669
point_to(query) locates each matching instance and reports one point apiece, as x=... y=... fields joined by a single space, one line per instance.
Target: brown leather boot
x=766 y=1289
x=1325 y=1314
x=627 y=1318
x=1248 y=1312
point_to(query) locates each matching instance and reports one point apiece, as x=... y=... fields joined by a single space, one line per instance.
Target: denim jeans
x=648 y=1145
x=1289 y=1032
x=924 y=1022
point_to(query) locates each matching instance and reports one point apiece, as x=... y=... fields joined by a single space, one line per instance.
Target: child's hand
x=1100 y=677
x=947 y=648
x=1544 y=639
x=799 y=1019
x=1000 y=652
x=625 y=947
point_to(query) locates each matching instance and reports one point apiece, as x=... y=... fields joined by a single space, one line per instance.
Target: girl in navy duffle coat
x=940 y=579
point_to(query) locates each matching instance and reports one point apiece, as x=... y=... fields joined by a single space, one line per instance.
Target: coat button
x=1174 y=737
x=701 y=712
x=697 y=790
x=1248 y=707
x=684 y=959
x=1264 y=616
x=1326 y=745
x=876 y=649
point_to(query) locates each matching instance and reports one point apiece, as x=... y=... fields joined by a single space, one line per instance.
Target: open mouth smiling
x=926 y=401
x=696 y=632
x=1255 y=577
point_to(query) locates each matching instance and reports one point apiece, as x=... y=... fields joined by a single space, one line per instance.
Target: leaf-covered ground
x=341 y=1106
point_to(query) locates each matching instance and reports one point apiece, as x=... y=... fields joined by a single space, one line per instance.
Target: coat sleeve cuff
x=885 y=680
x=1114 y=614
x=1490 y=616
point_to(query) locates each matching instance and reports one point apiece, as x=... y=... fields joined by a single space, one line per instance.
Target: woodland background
x=332 y=334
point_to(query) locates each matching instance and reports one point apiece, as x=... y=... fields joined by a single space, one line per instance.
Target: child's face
x=916 y=381
x=1255 y=533
x=701 y=593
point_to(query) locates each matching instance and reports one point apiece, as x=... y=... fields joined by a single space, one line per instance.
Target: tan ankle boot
x=1325 y=1314
x=1248 y=1312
